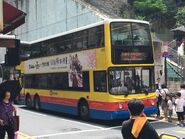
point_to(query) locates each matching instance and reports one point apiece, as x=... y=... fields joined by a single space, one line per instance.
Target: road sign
x=167 y=55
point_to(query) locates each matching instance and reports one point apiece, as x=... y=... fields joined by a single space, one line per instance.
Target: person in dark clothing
x=137 y=127
x=6 y=116
x=158 y=84
x=158 y=96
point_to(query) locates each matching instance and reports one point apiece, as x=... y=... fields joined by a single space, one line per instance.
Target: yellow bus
x=92 y=71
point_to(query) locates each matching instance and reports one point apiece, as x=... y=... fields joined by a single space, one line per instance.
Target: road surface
x=49 y=125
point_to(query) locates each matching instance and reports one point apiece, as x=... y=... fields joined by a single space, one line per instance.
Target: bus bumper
x=116 y=115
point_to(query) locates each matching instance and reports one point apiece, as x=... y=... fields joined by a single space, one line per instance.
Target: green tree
x=180 y=16
x=152 y=10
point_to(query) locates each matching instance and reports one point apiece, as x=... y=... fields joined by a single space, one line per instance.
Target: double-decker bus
x=92 y=71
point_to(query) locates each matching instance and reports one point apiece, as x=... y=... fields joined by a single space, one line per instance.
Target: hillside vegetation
x=168 y=13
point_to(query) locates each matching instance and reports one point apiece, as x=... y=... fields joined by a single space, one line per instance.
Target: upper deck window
x=77 y=41
x=131 y=43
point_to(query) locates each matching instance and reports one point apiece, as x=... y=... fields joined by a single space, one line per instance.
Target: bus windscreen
x=131 y=80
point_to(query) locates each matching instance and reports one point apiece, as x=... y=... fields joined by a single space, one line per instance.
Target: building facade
x=47 y=17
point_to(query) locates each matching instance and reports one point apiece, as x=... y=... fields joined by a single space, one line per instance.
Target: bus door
x=100 y=83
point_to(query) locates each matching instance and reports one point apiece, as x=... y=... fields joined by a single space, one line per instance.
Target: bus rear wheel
x=28 y=102
x=37 y=103
x=83 y=111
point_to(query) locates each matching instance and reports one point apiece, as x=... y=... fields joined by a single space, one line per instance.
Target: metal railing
x=179 y=63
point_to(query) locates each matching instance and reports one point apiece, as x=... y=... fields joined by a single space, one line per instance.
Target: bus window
x=131 y=80
x=36 y=50
x=95 y=37
x=92 y=37
x=100 y=36
x=121 y=34
x=131 y=43
x=68 y=42
x=59 y=44
x=145 y=74
x=25 y=51
x=58 y=81
x=51 y=47
x=100 y=81
x=78 y=40
x=141 y=35
x=28 y=81
x=42 y=81
x=85 y=39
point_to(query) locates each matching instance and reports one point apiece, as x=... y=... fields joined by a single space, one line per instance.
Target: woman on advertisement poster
x=75 y=74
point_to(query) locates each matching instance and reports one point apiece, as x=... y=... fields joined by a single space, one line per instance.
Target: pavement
x=50 y=125
x=174 y=115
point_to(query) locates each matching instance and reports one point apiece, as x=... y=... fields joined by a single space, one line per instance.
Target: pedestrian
x=164 y=91
x=158 y=83
x=182 y=91
x=179 y=103
x=158 y=100
x=137 y=127
x=169 y=107
x=6 y=116
x=180 y=49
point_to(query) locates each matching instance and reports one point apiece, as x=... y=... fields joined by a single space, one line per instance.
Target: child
x=179 y=103
x=169 y=108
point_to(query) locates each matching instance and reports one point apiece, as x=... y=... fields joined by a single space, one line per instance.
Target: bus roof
x=86 y=27
x=126 y=20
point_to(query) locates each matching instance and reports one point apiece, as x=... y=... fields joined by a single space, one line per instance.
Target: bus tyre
x=37 y=103
x=83 y=110
x=28 y=102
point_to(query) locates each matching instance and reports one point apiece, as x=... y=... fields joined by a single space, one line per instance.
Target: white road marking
x=76 y=132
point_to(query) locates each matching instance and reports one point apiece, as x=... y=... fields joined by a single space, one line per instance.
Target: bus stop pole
x=165 y=70
x=2 y=71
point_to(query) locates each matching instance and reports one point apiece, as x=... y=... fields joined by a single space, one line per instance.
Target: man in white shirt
x=182 y=91
x=179 y=103
x=180 y=49
x=164 y=92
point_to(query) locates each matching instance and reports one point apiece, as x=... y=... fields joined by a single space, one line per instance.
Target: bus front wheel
x=37 y=103
x=83 y=110
x=28 y=102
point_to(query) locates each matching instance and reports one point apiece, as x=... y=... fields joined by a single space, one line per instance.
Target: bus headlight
x=120 y=106
x=152 y=103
